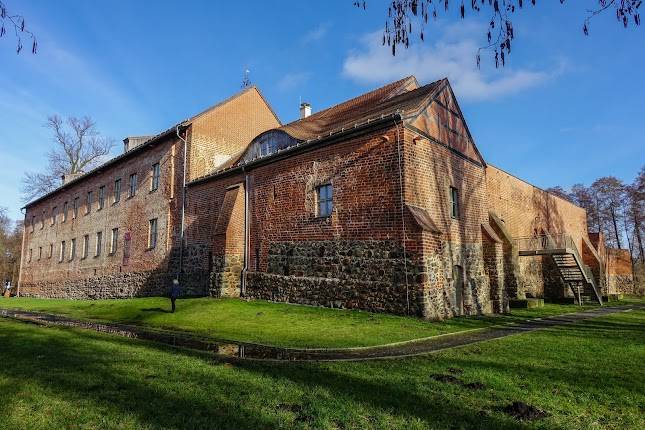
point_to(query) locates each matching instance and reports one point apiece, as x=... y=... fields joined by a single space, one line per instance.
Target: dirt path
x=248 y=351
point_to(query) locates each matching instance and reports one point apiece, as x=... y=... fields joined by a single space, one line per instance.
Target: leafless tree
x=408 y=17
x=16 y=24
x=610 y=193
x=560 y=192
x=79 y=147
x=10 y=242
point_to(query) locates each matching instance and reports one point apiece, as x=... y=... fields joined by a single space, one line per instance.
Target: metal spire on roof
x=246 y=82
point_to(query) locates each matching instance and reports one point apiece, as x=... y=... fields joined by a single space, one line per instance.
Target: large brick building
x=382 y=202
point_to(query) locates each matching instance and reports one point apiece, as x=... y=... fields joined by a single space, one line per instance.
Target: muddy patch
x=524 y=412
x=446 y=379
x=475 y=386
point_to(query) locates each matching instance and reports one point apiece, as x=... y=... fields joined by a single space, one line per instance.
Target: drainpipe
x=245 y=269
x=22 y=253
x=183 y=206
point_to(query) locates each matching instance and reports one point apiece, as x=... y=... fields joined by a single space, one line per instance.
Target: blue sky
x=566 y=109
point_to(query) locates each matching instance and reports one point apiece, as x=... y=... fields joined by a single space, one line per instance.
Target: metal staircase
x=567 y=259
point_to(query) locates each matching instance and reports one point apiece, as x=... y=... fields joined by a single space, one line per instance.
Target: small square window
x=324 y=200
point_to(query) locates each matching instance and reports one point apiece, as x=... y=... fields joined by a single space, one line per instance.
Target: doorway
x=458 y=287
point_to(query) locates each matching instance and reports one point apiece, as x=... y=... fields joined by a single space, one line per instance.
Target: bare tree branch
x=407 y=17
x=78 y=147
x=19 y=28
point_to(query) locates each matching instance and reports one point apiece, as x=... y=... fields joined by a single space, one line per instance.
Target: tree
x=10 y=247
x=635 y=214
x=610 y=193
x=16 y=23
x=407 y=17
x=583 y=197
x=560 y=192
x=79 y=147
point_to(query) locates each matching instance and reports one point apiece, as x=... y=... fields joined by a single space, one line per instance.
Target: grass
x=584 y=376
x=272 y=323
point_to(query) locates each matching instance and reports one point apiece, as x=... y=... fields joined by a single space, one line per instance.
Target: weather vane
x=246 y=82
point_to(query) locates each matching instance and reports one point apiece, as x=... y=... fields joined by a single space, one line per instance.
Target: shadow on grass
x=157 y=310
x=132 y=378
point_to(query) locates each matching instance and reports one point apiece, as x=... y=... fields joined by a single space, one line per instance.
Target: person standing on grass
x=175 y=291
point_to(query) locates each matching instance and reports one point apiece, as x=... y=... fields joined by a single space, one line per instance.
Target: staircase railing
x=563 y=242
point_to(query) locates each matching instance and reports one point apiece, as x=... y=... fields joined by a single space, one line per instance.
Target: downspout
x=245 y=269
x=183 y=205
x=22 y=253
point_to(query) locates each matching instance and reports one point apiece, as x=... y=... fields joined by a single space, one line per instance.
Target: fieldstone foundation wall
x=439 y=295
x=369 y=275
x=621 y=284
x=115 y=286
x=494 y=266
x=226 y=276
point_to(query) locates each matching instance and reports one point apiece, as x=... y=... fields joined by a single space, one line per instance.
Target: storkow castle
x=382 y=203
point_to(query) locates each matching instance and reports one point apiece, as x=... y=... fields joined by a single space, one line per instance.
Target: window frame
x=86 y=246
x=156 y=176
x=153 y=225
x=328 y=200
x=72 y=249
x=132 y=185
x=88 y=202
x=65 y=208
x=116 y=195
x=61 y=252
x=101 y=200
x=54 y=215
x=99 y=244
x=454 y=202
x=114 y=241
x=75 y=207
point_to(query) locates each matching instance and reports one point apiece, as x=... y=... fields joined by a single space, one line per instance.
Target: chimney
x=67 y=177
x=132 y=142
x=305 y=110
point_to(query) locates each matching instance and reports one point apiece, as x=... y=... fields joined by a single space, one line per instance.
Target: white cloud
x=315 y=34
x=452 y=55
x=292 y=80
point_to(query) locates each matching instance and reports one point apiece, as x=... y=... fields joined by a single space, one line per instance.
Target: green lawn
x=585 y=376
x=271 y=323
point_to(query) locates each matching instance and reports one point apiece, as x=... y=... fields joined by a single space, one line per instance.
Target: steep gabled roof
x=385 y=100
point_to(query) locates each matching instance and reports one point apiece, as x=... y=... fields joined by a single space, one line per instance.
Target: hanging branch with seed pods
x=408 y=17
x=7 y=20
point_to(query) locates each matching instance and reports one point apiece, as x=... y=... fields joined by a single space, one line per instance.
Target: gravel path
x=248 y=351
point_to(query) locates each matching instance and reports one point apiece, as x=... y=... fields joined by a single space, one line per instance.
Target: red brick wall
x=220 y=133
x=130 y=215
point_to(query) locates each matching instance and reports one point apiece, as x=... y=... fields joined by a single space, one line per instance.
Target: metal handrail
x=558 y=241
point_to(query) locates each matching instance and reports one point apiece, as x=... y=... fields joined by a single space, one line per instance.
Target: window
x=88 y=203
x=51 y=250
x=33 y=223
x=61 y=256
x=152 y=233
x=86 y=246
x=114 y=241
x=40 y=252
x=75 y=208
x=324 y=199
x=133 y=185
x=101 y=197
x=64 y=211
x=454 y=202
x=99 y=243
x=156 y=172
x=54 y=215
x=42 y=221
x=72 y=249
x=117 y=190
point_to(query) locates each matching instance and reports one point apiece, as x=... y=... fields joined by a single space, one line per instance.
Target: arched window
x=268 y=143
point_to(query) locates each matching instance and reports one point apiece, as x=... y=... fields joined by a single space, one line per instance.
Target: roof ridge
x=410 y=78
